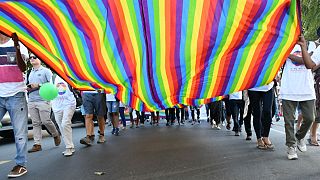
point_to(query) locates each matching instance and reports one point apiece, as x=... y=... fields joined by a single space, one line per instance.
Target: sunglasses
x=33 y=57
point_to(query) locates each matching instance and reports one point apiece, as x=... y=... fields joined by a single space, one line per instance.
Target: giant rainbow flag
x=155 y=54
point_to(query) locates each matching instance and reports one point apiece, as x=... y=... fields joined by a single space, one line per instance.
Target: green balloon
x=48 y=91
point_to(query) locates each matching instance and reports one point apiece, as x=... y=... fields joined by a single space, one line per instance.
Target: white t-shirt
x=297 y=83
x=11 y=78
x=264 y=88
x=65 y=97
x=110 y=97
x=236 y=95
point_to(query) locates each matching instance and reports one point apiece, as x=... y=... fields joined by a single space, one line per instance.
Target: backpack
x=76 y=93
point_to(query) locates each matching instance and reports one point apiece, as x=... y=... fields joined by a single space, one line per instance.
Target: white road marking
x=3 y=162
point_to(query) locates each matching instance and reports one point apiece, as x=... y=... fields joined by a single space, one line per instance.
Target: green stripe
x=134 y=20
x=230 y=18
x=158 y=59
x=284 y=41
x=248 y=49
x=190 y=26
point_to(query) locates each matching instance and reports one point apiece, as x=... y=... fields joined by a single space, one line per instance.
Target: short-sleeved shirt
x=65 y=97
x=39 y=76
x=11 y=77
x=297 y=83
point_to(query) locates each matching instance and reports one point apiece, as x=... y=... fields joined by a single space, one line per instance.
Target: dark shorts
x=94 y=103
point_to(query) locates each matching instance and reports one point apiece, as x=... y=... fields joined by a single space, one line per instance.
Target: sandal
x=261 y=145
x=270 y=146
x=313 y=143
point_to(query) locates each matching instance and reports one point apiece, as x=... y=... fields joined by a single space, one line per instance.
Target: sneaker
x=35 y=148
x=218 y=127
x=237 y=133
x=113 y=131
x=69 y=152
x=17 y=171
x=86 y=141
x=57 y=140
x=131 y=126
x=124 y=128
x=292 y=153
x=72 y=150
x=301 y=144
x=214 y=126
x=248 y=138
x=101 y=139
x=167 y=124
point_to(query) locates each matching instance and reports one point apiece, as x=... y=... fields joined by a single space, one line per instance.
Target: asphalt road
x=185 y=152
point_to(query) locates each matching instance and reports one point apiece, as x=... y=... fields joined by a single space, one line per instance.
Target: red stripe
x=26 y=23
x=262 y=47
x=203 y=43
x=92 y=32
x=250 y=9
x=124 y=36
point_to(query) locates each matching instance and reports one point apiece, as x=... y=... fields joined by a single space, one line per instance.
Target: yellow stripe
x=163 y=51
x=105 y=56
x=133 y=38
x=237 y=18
x=75 y=47
x=291 y=39
x=254 y=46
x=36 y=24
x=24 y=38
x=194 y=42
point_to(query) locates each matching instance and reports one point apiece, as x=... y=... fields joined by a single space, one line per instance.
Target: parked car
x=7 y=129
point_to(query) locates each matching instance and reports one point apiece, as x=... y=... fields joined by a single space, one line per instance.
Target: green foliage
x=310 y=10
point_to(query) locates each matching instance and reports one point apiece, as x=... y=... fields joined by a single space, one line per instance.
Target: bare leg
x=89 y=124
x=101 y=123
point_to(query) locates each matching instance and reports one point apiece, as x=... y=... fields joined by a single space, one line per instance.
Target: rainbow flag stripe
x=155 y=54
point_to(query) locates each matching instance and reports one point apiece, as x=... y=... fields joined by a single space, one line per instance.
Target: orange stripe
x=259 y=52
x=67 y=45
x=227 y=56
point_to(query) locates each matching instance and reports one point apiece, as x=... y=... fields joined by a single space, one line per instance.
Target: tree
x=310 y=12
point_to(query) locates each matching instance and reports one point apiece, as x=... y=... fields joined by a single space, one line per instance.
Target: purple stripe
x=213 y=37
x=116 y=37
x=145 y=24
x=178 y=72
x=270 y=47
x=236 y=51
x=55 y=29
x=177 y=66
x=87 y=39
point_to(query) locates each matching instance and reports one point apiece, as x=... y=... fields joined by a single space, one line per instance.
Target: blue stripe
x=241 y=49
x=221 y=26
